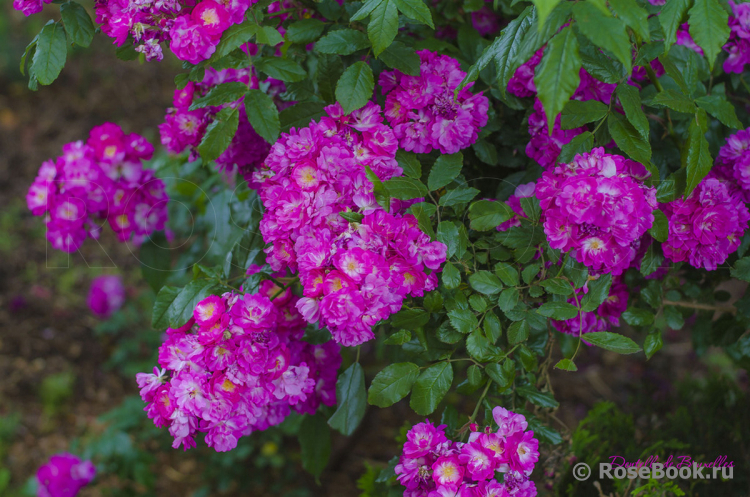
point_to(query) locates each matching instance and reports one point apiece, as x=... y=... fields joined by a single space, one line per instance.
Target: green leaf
x=670 y=18
x=416 y=10
x=698 y=160
x=77 y=23
x=720 y=109
x=543 y=9
x=315 y=444
x=398 y=338
x=581 y=144
x=628 y=139
x=365 y=10
x=558 y=310
x=401 y=57
x=284 y=69
x=653 y=343
x=556 y=76
x=219 y=134
x=598 y=292
x=451 y=276
x=518 y=332
x=305 y=31
x=342 y=42
x=431 y=387
x=221 y=94
x=485 y=282
x=635 y=16
x=383 y=25
x=233 y=38
x=508 y=299
x=263 y=115
x=463 y=320
x=355 y=87
x=300 y=115
x=479 y=347
x=604 y=31
x=612 y=341
x=447 y=233
x=566 y=365
x=164 y=300
x=410 y=318
x=352 y=400
x=660 y=229
x=268 y=35
x=486 y=215
x=409 y=163
x=492 y=327
x=392 y=384
x=502 y=376
x=405 y=188
x=184 y=303
x=631 y=103
x=541 y=399
x=741 y=269
x=330 y=69
x=445 y=170
x=458 y=196
x=50 y=54
x=352 y=217
x=576 y=113
x=557 y=286
x=709 y=28
x=507 y=273
x=638 y=317
x=675 y=100
x=599 y=65
x=474 y=375
x=156 y=259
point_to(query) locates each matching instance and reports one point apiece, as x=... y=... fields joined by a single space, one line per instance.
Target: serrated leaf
x=653 y=343
x=486 y=215
x=485 y=282
x=499 y=375
x=631 y=104
x=463 y=320
x=431 y=387
x=284 y=69
x=351 y=399
x=219 y=134
x=50 y=53
x=409 y=163
x=268 y=35
x=634 y=16
x=445 y=170
x=305 y=31
x=458 y=196
x=720 y=109
x=741 y=269
x=392 y=384
x=628 y=139
x=606 y=32
x=221 y=94
x=181 y=309
x=365 y=10
x=566 y=365
x=670 y=19
x=541 y=399
x=638 y=317
x=355 y=87
x=556 y=77
x=581 y=144
x=674 y=100
x=342 y=42
x=300 y=115
x=543 y=9
x=401 y=57
x=557 y=286
x=507 y=273
x=612 y=341
x=398 y=338
x=383 y=25
x=451 y=276
x=447 y=233
x=263 y=115
x=709 y=28
x=698 y=160
x=77 y=23
x=160 y=312
x=233 y=38
x=558 y=310
x=330 y=69
x=405 y=188
x=410 y=318
x=518 y=332
x=416 y=10
x=660 y=228
x=598 y=291
x=576 y=113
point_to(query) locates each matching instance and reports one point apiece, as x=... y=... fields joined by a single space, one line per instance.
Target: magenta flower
x=106 y=295
x=64 y=476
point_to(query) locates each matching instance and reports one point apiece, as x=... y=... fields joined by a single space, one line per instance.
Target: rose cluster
x=100 y=179
x=597 y=208
x=64 y=476
x=192 y=29
x=545 y=147
x=603 y=318
x=708 y=225
x=238 y=366
x=738 y=46
x=353 y=274
x=425 y=112
x=734 y=160
x=106 y=295
x=29 y=7
x=184 y=128
x=431 y=465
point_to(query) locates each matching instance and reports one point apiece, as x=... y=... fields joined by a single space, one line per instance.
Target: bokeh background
x=68 y=378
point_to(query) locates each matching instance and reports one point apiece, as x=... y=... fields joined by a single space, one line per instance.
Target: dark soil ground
x=46 y=329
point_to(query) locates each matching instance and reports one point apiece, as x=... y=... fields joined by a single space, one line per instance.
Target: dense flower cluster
x=597 y=208
x=708 y=225
x=106 y=295
x=238 y=366
x=192 y=29
x=353 y=274
x=425 y=113
x=734 y=157
x=29 y=7
x=64 y=476
x=738 y=45
x=603 y=318
x=100 y=179
x=545 y=147
x=431 y=465
x=184 y=129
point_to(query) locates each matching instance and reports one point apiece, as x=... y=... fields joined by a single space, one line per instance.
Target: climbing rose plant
x=479 y=188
